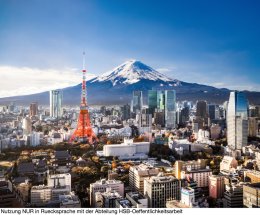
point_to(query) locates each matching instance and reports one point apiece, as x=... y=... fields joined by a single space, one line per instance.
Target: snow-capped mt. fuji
x=117 y=86
x=131 y=72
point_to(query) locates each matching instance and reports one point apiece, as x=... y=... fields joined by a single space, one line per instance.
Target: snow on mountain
x=131 y=72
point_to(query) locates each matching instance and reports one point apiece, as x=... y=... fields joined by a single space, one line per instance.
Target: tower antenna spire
x=84 y=60
x=83 y=88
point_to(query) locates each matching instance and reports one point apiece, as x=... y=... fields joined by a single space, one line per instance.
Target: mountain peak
x=130 y=72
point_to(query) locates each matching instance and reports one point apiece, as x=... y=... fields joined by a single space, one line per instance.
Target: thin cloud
x=25 y=80
x=163 y=70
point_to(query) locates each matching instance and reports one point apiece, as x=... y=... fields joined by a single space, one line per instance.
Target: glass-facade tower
x=56 y=103
x=152 y=100
x=237 y=120
x=170 y=108
x=137 y=102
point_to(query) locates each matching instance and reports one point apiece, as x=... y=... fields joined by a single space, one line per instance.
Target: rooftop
x=125 y=203
x=25 y=167
x=136 y=196
x=104 y=181
x=160 y=178
x=254 y=185
x=199 y=170
x=69 y=199
x=61 y=154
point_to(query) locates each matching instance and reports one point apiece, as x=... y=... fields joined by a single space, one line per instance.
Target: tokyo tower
x=84 y=131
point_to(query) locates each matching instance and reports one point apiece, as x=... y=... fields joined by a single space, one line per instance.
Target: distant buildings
x=33 y=109
x=170 y=108
x=137 y=102
x=56 y=103
x=184 y=115
x=152 y=101
x=215 y=131
x=201 y=109
x=213 y=111
x=237 y=120
x=126 y=112
x=253 y=126
x=144 y=121
x=35 y=138
x=201 y=114
x=27 y=126
x=162 y=103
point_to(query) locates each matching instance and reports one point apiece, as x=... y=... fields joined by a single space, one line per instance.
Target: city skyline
x=195 y=42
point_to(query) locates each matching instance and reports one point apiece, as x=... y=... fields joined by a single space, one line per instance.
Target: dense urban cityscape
x=129 y=107
x=159 y=153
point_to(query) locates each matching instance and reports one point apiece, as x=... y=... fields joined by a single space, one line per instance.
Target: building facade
x=160 y=189
x=137 y=174
x=56 y=103
x=237 y=120
x=102 y=185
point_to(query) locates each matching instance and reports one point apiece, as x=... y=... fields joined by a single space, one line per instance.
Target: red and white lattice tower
x=84 y=131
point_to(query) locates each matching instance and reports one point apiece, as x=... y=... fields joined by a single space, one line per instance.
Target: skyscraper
x=33 y=109
x=56 y=103
x=137 y=102
x=152 y=101
x=170 y=108
x=213 y=111
x=163 y=101
x=201 y=111
x=27 y=125
x=126 y=112
x=201 y=114
x=237 y=120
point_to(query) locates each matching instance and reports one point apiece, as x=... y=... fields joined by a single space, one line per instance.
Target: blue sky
x=208 y=42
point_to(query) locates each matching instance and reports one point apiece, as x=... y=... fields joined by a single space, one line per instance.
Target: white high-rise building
x=56 y=103
x=237 y=120
x=27 y=126
x=138 y=173
x=160 y=189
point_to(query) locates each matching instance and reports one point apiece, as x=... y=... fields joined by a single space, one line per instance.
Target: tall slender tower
x=84 y=131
